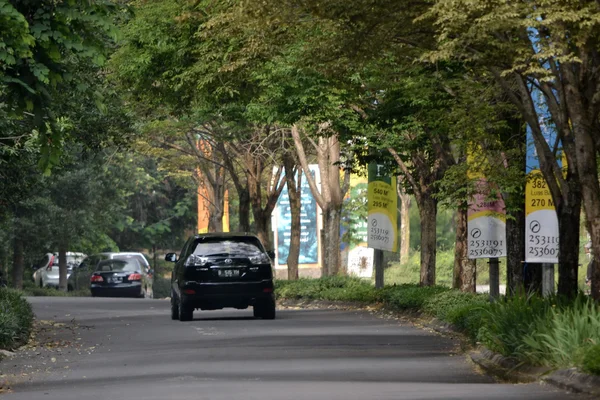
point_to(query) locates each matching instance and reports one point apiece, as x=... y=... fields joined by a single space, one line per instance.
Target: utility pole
x=379 y=268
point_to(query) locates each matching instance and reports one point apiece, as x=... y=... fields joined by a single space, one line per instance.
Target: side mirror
x=171 y=257
x=271 y=254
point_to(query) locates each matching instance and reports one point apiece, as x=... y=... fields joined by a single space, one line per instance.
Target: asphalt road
x=130 y=349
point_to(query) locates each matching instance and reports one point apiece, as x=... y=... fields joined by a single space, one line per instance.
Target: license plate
x=229 y=273
x=115 y=279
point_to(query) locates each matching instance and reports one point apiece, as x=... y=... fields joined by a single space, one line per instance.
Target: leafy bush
x=335 y=288
x=409 y=297
x=161 y=287
x=591 y=360
x=443 y=304
x=16 y=318
x=507 y=321
x=37 y=291
x=562 y=336
x=463 y=310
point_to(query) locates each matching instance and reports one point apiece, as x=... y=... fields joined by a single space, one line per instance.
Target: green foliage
x=42 y=46
x=462 y=310
x=52 y=292
x=16 y=319
x=408 y=270
x=409 y=297
x=508 y=321
x=161 y=287
x=591 y=360
x=446 y=303
x=562 y=336
x=334 y=288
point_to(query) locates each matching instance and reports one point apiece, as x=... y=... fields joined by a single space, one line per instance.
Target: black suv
x=218 y=270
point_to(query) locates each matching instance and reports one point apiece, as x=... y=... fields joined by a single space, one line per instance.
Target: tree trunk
x=155 y=271
x=404 y=227
x=515 y=246
x=428 y=213
x=330 y=197
x=568 y=252
x=18 y=263
x=216 y=201
x=3 y=266
x=331 y=247
x=469 y=277
x=294 y=196
x=460 y=248
x=262 y=223
x=62 y=267
x=588 y=176
x=532 y=278
x=244 y=210
x=215 y=219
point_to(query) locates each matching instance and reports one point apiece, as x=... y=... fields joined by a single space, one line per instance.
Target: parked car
x=219 y=270
x=119 y=277
x=81 y=276
x=46 y=272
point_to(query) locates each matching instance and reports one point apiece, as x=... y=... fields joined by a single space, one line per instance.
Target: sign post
x=383 y=217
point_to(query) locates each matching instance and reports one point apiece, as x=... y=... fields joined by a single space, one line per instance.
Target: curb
x=574 y=380
x=6 y=354
x=510 y=370
x=505 y=368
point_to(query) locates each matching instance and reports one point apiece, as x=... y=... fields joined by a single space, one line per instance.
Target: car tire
x=265 y=309
x=174 y=307
x=269 y=310
x=186 y=313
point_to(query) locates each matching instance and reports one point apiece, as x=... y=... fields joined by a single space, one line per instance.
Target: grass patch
x=409 y=297
x=334 y=288
x=16 y=319
x=409 y=271
x=52 y=292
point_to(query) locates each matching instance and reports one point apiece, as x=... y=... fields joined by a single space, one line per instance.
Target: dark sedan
x=118 y=278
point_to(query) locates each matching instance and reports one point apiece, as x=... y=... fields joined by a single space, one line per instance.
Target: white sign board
x=360 y=262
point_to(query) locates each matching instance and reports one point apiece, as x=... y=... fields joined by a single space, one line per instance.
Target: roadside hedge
x=16 y=319
x=554 y=332
x=161 y=287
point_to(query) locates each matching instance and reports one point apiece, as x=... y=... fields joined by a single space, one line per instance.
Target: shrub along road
x=130 y=349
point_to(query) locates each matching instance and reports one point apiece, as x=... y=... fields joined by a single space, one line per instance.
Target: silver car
x=46 y=270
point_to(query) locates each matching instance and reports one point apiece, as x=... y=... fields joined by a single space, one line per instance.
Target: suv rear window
x=227 y=247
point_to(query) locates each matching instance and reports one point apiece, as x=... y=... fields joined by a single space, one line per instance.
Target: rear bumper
x=120 y=290
x=210 y=296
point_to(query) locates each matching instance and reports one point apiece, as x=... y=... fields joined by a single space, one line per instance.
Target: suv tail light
x=135 y=277
x=97 y=278
x=49 y=267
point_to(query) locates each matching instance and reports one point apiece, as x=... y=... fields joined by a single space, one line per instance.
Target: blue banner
x=309 y=234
